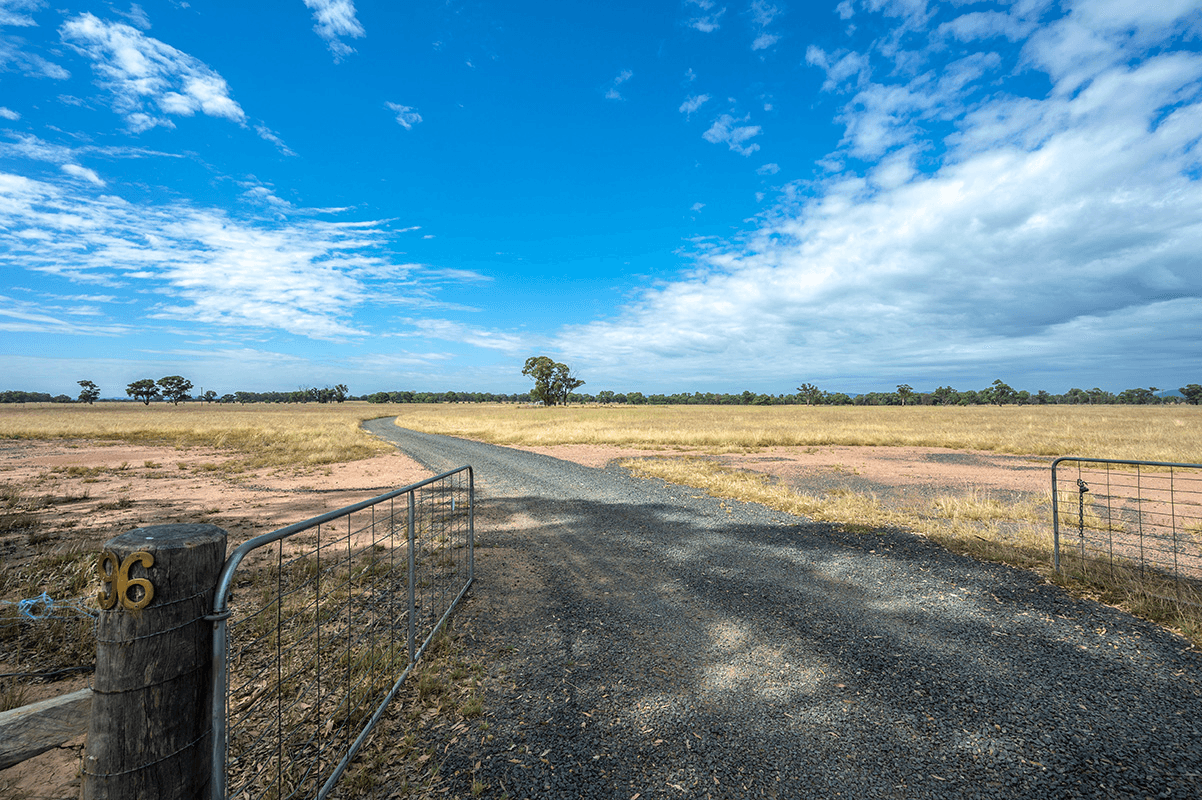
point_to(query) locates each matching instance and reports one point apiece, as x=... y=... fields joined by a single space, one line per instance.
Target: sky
x=689 y=195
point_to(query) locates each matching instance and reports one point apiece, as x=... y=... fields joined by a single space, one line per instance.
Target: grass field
x=1153 y=433
x=311 y=434
x=259 y=434
x=1014 y=532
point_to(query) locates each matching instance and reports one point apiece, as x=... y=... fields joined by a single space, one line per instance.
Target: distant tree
x=175 y=388
x=1137 y=396
x=1000 y=393
x=605 y=398
x=905 y=391
x=340 y=392
x=1192 y=393
x=209 y=396
x=90 y=393
x=228 y=398
x=944 y=396
x=144 y=390
x=553 y=382
x=810 y=393
x=1042 y=397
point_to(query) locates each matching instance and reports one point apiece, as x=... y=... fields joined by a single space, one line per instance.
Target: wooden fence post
x=149 y=731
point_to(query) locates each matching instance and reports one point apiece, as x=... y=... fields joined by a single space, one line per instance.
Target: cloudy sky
x=668 y=196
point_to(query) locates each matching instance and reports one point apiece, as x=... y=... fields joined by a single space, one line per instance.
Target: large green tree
x=89 y=392
x=145 y=390
x=553 y=382
x=811 y=393
x=1192 y=393
x=175 y=388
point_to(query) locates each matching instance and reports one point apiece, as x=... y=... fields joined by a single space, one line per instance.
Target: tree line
x=176 y=389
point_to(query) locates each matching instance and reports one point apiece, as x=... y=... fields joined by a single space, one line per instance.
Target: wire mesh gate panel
x=317 y=625
x=1130 y=518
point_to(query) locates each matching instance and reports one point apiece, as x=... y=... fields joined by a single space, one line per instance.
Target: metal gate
x=1125 y=516
x=318 y=624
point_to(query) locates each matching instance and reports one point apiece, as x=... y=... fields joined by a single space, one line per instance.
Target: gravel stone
x=643 y=639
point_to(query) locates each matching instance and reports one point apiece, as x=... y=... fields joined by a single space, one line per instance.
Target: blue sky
x=677 y=196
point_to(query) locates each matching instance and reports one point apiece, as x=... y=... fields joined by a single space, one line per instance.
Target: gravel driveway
x=644 y=641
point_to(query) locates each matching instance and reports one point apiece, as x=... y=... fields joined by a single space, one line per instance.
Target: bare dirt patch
x=894 y=474
x=66 y=498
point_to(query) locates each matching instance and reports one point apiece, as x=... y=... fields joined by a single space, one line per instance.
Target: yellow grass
x=260 y=434
x=1153 y=433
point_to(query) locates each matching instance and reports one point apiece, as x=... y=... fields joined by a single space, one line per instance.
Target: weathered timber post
x=149 y=734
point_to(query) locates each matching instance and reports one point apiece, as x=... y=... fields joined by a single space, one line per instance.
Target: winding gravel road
x=645 y=641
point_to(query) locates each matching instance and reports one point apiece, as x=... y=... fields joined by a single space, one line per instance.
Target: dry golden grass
x=261 y=434
x=1154 y=433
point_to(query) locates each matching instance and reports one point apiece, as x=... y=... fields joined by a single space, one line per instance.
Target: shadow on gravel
x=671 y=650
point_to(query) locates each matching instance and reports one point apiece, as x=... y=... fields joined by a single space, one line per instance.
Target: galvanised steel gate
x=318 y=624
x=1131 y=517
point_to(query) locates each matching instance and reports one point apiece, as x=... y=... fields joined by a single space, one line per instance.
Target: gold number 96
x=116 y=583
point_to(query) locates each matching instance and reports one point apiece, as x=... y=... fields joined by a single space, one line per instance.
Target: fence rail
x=318 y=624
x=1131 y=517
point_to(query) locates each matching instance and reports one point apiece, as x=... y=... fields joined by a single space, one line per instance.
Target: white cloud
x=335 y=20
x=149 y=80
x=707 y=22
x=33 y=148
x=697 y=207
x=762 y=15
x=612 y=92
x=726 y=130
x=268 y=135
x=83 y=173
x=8 y=113
x=451 y=331
x=406 y=116
x=693 y=103
x=25 y=316
x=30 y=64
x=259 y=194
x=839 y=67
x=764 y=41
x=986 y=25
x=137 y=17
x=16 y=12
x=204 y=266
x=768 y=169
x=1059 y=230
